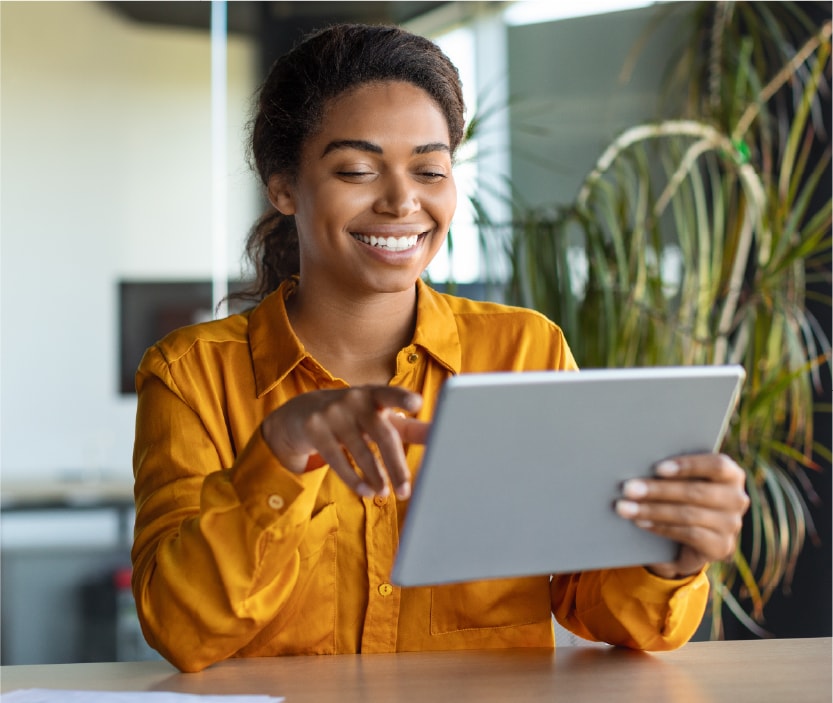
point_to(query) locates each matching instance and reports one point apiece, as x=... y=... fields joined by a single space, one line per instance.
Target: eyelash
x=359 y=174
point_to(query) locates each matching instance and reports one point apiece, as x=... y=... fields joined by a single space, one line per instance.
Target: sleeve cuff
x=268 y=491
x=649 y=588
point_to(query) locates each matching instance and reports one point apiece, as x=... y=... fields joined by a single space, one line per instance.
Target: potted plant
x=697 y=240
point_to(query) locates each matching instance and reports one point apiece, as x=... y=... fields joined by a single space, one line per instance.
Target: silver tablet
x=521 y=470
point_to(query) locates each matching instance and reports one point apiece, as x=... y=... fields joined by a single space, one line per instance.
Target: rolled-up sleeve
x=630 y=607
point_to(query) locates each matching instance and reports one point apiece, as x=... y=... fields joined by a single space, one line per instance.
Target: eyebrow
x=363 y=145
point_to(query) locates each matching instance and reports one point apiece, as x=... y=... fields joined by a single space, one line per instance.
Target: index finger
x=411 y=430
x=717 y=468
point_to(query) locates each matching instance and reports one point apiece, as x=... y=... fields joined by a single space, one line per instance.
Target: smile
x=389 y=243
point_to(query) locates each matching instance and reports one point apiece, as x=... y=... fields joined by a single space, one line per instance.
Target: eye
x=355 y=176
x=429 y=176
x=431 y=170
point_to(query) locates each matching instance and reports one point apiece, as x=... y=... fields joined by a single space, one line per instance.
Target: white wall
x=105 y=139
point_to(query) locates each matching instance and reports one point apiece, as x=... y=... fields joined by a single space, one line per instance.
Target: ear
x=281 y=195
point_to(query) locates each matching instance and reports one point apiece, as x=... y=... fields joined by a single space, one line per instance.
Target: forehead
x=385 y=110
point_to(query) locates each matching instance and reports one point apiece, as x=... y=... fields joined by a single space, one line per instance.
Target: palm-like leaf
x=692 y=242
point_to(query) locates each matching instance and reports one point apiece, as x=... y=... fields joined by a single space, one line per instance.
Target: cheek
x=329 y=205
x=442 y=204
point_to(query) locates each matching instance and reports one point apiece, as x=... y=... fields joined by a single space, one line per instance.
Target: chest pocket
x=489 y=604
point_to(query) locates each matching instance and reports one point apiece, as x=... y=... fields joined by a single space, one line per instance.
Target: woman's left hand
x=698 y=501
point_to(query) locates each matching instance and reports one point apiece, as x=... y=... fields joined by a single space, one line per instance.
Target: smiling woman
x=275 y=449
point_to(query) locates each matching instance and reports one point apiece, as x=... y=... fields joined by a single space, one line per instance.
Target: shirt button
x=385 y=589
x=413 y=357
x=275 y=501
x=380 y=501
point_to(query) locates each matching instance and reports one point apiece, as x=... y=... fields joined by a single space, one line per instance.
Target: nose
x=397 y=196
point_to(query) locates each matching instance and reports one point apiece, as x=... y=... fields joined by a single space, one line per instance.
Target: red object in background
x=122 y=578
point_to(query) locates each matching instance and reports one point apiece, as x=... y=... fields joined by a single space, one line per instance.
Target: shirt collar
x=436 y=328
x=275 y=348
x=276 y=351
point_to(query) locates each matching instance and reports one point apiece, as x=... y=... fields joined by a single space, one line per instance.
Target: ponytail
x=272 y=247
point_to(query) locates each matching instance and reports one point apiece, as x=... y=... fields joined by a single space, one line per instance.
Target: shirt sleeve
x=215 y=553
x=630 y=607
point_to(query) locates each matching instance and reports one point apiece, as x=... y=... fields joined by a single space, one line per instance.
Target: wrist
x=674 y=571
x=297 y=464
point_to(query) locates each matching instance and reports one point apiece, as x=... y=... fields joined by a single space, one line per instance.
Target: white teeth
x=389 y=243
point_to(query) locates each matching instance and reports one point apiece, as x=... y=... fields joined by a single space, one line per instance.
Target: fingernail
x=667 y=468
x=365 y=491
x=635 y=488
x=643 y=523
x=626 y=508
x=404 y=491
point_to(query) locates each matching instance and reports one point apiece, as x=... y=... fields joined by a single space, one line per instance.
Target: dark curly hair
x=291 y=104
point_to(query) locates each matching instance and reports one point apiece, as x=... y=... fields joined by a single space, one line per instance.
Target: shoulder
x=479 y=313
x=496 y=337
x=196 y=351
x=232 y=330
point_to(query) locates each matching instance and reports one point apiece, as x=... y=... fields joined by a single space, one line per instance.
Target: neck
x=355 y=338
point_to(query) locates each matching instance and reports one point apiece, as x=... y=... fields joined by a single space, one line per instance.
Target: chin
x=393 y=283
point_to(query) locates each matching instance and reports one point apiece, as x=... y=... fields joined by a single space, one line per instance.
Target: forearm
x=215 y=553
x=206 y=585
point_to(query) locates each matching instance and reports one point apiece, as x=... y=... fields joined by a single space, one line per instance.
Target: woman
x=275 y=449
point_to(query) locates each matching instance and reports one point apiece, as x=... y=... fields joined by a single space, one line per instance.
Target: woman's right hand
x=339 y=425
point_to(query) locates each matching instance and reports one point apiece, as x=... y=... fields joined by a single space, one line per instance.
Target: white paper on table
x=45 y=695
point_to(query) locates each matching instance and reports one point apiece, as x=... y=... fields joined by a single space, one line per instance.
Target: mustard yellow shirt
x=234 y=555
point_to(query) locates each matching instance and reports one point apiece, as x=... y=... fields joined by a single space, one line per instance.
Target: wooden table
x=781 y=671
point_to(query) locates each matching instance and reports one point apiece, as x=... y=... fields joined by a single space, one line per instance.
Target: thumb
x=396 y=397
x=411 y=430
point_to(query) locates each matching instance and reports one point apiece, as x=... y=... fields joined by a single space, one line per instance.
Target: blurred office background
x=114 y=146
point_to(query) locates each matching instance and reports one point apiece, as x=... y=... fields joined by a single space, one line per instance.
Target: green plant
x=693 y=241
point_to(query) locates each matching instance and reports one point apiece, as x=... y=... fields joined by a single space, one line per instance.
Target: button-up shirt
x=234 y=555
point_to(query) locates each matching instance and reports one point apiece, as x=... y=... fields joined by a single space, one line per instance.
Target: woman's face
x=375 y=195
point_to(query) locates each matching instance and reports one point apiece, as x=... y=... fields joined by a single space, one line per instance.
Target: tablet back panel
x=522 y=469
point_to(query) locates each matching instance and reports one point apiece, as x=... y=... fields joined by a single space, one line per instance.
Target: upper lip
x=391 y=230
